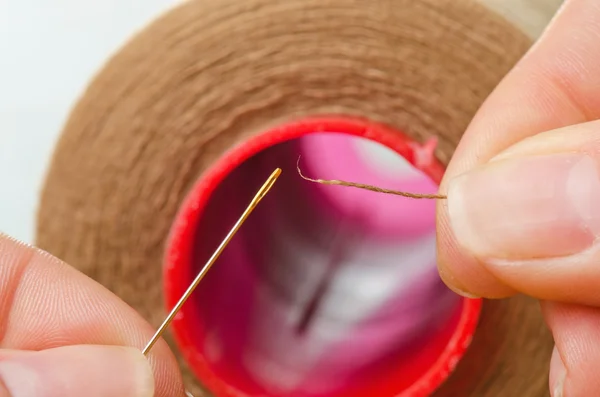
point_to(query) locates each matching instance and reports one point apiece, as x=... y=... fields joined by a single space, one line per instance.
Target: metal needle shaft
x=259 y=195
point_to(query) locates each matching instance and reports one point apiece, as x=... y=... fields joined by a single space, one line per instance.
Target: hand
x=523 y=208
x=64 y=335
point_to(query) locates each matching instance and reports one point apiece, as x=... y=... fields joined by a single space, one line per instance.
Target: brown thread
x=336 y=182
x=210 y=73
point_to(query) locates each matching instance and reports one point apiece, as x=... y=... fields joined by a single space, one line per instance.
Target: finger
x=555 y=85
x=531 y=216
x=576 y=358
x=45 y=304
x=75 y=371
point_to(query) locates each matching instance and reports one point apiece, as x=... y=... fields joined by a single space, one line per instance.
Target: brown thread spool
x=210 y=74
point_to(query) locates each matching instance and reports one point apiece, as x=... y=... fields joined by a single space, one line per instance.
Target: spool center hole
x=325 y=290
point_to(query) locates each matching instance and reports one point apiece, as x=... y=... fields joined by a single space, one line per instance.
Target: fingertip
x=49 y=298
x=73 y=371
x=167 y=373
x=453 y=284
x=143 y=373
x=462 y=272
x=558 y=374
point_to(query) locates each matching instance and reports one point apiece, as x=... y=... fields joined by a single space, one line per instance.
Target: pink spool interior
x=325 y=290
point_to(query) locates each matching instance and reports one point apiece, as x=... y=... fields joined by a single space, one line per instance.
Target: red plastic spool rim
x=178 y=259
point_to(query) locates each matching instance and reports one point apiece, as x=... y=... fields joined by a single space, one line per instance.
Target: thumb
x=531 y=215
x=75 y=371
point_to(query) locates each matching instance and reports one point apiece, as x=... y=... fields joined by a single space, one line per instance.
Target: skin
x=523 y=188
x=64 y=335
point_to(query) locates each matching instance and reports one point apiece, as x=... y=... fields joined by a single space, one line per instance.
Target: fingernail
x=72 y=371
x=558 y=374
x=527 y=208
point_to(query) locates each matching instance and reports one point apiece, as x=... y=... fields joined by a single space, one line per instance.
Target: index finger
x=44 y=303
x=555 y=85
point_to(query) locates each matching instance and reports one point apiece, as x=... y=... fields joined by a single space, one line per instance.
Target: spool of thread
x=176 y=131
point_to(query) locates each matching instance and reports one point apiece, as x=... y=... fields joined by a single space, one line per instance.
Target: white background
x=49 y=50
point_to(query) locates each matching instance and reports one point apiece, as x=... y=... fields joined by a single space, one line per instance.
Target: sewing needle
x=259 y=196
